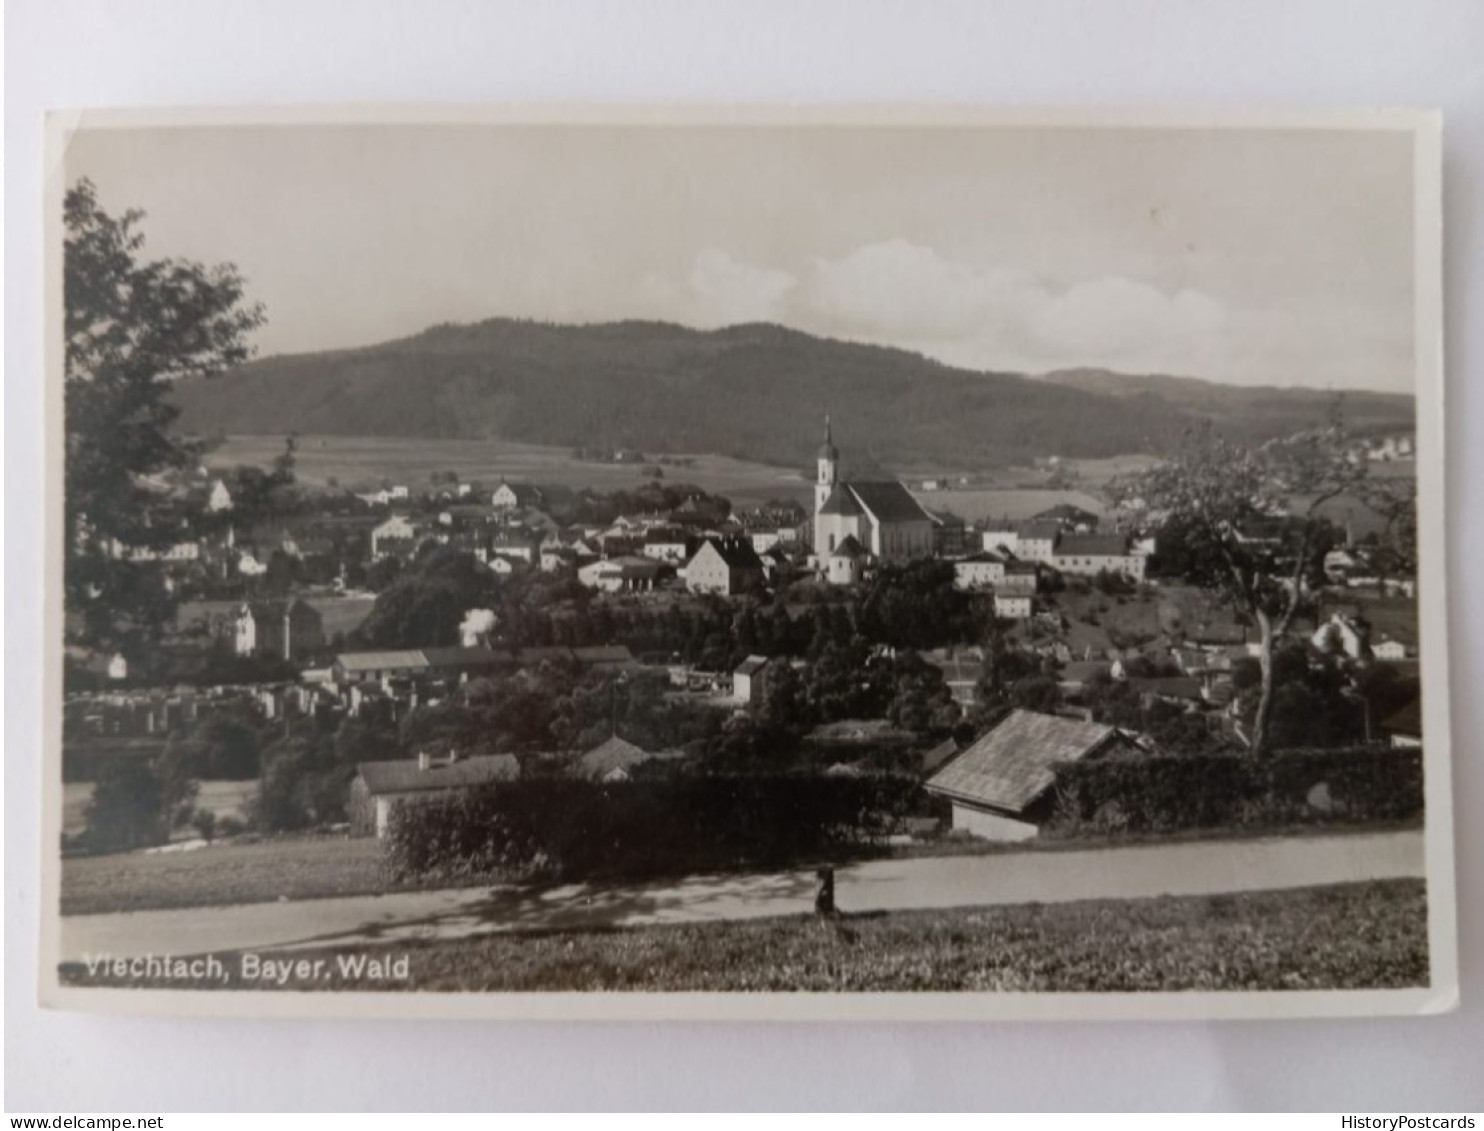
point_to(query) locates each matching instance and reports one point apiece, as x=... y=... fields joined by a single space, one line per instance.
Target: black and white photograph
x=726 y=564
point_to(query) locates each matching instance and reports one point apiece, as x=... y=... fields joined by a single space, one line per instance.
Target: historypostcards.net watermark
x=1403 y=1122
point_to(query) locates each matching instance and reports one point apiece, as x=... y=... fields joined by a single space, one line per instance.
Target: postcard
x=746 y=563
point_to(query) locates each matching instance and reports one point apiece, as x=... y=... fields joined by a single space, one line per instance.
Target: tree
x=125 y=810
x=428 y=600
x=132 y=328
x=1251 y=526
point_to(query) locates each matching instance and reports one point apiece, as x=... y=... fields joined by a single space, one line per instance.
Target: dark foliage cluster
x=578 y=830
x=1292 y=787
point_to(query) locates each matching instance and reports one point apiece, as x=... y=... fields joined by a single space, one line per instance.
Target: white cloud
x=901 y=293
x=1113 y=318
x=721 y=291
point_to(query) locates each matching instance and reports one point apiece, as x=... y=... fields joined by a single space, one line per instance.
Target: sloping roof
x=1093 y=545
x=1064 y=512
x=932 y=759
x=466 y=657
x=404 y=776
x=264 y=610
x=1013 y=764
x=751 y=666
x=1170 y=686
x=1407 y=722
x=889 y=501
x=614 y=754
x=529 y=657
x=1080 y=671
x=603 y=654
x=736 y=552
x=406 y=659
x=841 y=502
x=849 y=547
x=1039 y=531
x=525 y=493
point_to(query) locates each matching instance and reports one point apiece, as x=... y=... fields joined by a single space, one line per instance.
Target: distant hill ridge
x=755 y=391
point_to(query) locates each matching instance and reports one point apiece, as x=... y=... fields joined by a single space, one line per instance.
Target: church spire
x=827 y=449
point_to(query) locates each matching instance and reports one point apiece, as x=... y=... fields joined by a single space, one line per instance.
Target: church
x=856 y=522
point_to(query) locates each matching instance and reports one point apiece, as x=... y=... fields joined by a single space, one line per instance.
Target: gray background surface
x=1320 y=53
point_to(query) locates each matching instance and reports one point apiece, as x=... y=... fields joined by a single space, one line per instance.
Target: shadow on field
x=594 y=905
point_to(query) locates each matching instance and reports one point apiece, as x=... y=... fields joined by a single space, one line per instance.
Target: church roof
x=841 y=502
x=889 y=501
x=848 y=548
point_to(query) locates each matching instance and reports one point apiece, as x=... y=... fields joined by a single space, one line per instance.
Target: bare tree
x=1252 y=519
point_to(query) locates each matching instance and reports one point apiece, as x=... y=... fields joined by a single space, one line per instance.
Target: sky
x=1254 y=257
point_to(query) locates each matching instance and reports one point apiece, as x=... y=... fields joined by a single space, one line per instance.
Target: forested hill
x=754 y=391
x=1253 y=410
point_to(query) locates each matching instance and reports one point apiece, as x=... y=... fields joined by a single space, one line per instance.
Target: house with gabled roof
x=1404 y=729
x=615 y=759
x=727 y=566
x=1090 y=554
x=749 y=679
x=983 y=570
x=999 y=788
x=516 y=496
x=379 y=786
x=285 y=630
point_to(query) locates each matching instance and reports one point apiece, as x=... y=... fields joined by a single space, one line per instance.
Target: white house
x=1036 y=541
x=1001 y=539
x=1341 y=634
x=218 y=498
x=516 y=496
x=748 y=679
x=1390 y=650
x=724 y=565
x=1091 y=554
x=395 y=535
x=1013 y=606
x=983 y=570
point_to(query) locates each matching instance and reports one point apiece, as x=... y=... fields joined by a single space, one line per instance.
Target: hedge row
x=570 y=829
x=1291 y=787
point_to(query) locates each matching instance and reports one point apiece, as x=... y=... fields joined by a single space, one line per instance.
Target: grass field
x=1351 y=936
x=364 y=461
x=224 y=798
x=302 y=867
x=1013 y=503
x=1138 y=617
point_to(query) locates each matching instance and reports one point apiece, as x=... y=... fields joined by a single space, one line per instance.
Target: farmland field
x=363 y=462
x=1013 y=503
x=1344 y=936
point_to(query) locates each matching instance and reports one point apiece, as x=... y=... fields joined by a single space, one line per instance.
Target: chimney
x=424 y=760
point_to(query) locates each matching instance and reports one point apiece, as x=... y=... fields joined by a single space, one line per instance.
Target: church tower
x=829 y=465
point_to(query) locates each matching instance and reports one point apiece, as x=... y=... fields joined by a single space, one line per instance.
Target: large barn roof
x=1013 y=764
